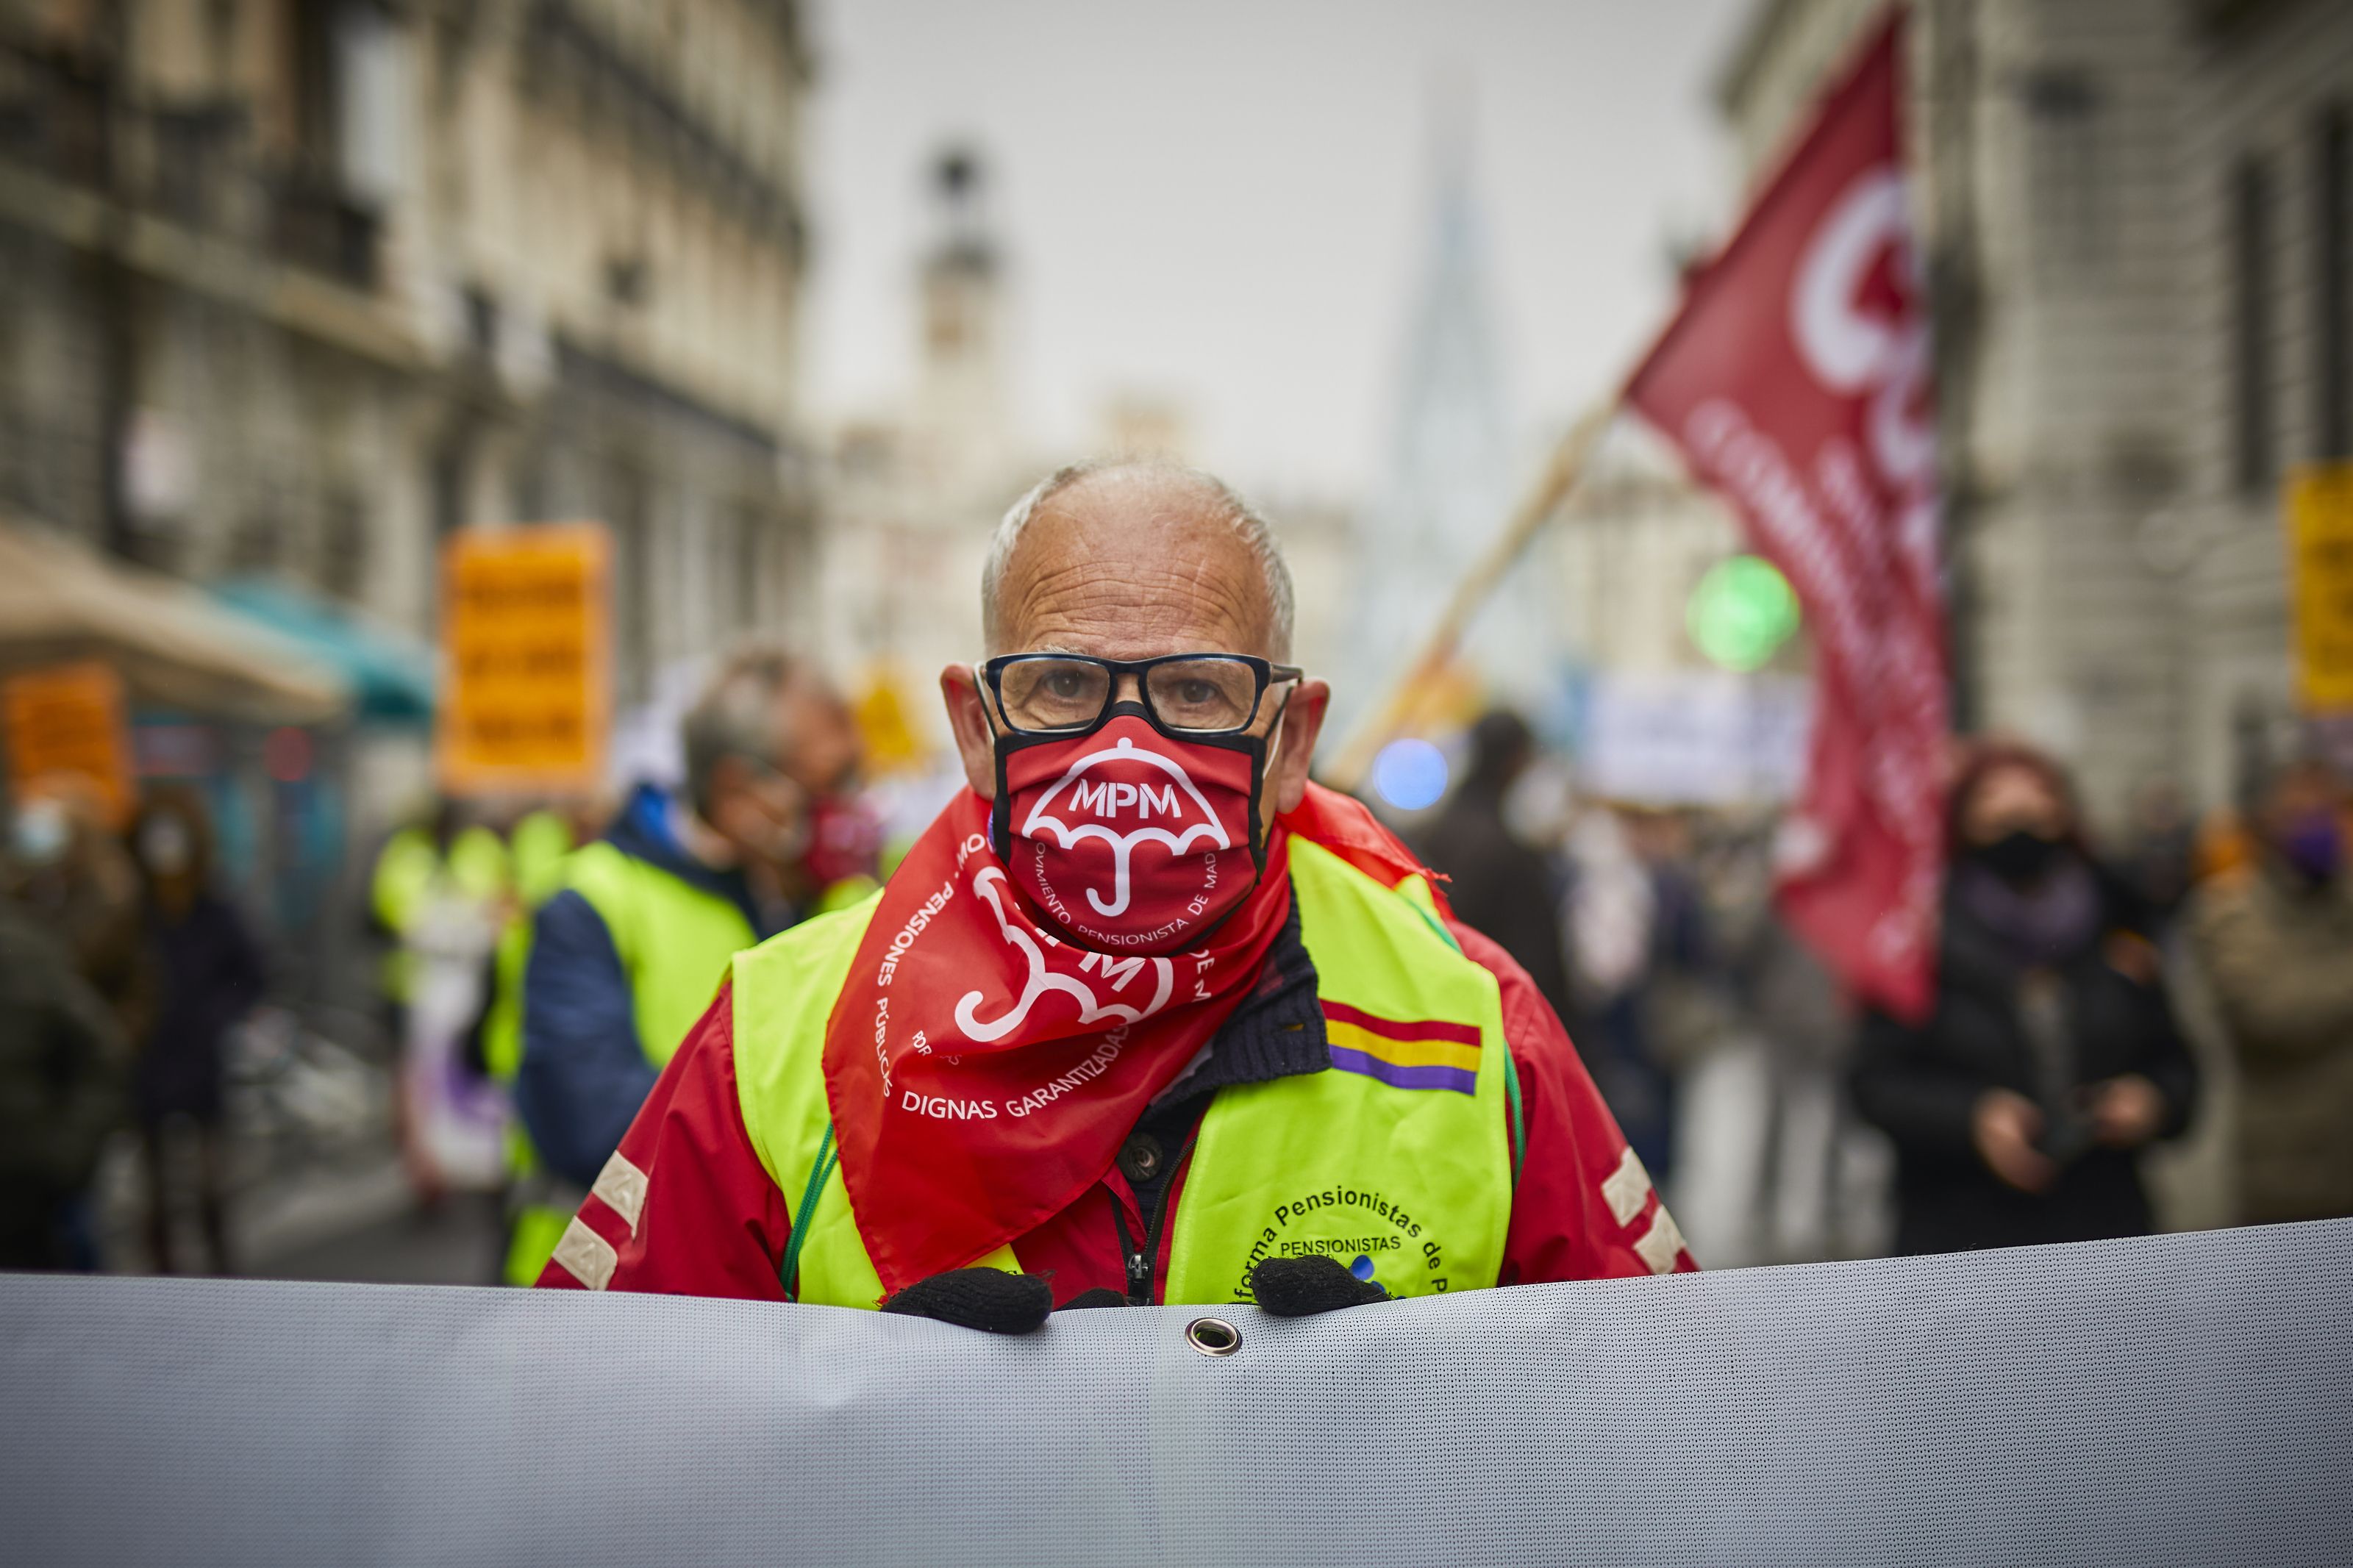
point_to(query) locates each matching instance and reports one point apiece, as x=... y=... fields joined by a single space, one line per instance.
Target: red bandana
x=982 y=1072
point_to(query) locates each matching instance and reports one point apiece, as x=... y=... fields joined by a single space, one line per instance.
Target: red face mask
x=1127 y=839
x=844 y=840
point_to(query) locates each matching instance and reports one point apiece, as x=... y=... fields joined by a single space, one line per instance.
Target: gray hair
x=735 y=716
x=1252 y=529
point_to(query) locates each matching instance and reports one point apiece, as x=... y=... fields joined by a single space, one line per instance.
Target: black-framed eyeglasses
x=1186 y=693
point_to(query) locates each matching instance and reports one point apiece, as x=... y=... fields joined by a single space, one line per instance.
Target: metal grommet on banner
x=1213 y=1336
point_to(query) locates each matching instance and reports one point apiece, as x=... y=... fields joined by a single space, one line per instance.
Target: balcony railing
x=316 y=225
x=192 y=163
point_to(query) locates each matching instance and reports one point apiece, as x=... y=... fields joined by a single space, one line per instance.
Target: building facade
x=301 y=287
x=912 y=493
x=2137 y=250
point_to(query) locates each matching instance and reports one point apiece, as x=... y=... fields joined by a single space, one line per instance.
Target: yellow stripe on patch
x=1402 y=1053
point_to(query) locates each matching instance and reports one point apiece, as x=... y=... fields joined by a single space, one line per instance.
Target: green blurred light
x=1741 y=613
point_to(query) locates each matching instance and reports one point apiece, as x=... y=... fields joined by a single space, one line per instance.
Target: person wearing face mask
x=1143 y=1016
x=626 y=954
x=207 y=974
x=2018 y=1108
x=63 y=1058
x=2275 y=940
x=69 y=866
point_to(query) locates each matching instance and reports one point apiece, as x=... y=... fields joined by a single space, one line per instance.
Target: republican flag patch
x=1417 y=1053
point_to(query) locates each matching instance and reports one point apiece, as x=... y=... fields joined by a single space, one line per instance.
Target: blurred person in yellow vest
x=536 y=847
x=431 y=878
x=439 y=855
x=627 y=951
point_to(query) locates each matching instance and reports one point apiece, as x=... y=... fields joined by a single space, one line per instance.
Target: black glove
x=1303 y=1287
x=989 y=1299
x=1100 y=1296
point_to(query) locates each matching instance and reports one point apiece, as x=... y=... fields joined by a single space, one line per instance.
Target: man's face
x=826 y=751
x=763 y=809
x=762 y=813
x=1132 y=564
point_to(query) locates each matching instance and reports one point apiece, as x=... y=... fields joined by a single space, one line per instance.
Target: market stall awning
x=389 y=672
x=171 y=643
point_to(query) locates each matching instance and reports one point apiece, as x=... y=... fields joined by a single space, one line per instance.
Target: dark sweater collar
x=1276 y=1032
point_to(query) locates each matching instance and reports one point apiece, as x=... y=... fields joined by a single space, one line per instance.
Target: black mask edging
x=2019 y=857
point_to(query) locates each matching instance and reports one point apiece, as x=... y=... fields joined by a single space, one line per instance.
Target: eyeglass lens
x=1197 y=694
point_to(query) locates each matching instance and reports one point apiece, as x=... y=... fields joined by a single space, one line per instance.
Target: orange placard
x=526 y=640
x=67 y=722
x=2320 y=563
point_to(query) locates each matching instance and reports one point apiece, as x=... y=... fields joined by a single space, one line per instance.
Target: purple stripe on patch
x=1461 y=1080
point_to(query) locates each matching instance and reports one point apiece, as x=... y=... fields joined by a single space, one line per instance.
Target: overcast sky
x=1226 y=202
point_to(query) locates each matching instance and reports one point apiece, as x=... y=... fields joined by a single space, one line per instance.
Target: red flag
x=1796 y=382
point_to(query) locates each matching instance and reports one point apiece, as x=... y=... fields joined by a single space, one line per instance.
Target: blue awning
x=391 y=672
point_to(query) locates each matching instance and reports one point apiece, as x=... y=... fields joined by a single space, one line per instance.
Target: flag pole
x=1561 y=473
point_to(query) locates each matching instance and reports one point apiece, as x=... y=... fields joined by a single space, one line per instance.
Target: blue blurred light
x=1409 y=775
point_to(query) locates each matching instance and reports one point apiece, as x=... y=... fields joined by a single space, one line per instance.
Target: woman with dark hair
x=207 y=974
x=2019 y=1107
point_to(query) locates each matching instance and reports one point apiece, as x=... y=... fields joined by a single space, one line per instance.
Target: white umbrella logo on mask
x=1110 y=799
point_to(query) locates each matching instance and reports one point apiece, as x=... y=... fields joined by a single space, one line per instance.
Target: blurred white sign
x=1696 y=738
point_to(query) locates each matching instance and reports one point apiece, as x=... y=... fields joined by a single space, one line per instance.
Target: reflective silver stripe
x=623 y=1187
x=1661 y=1243
x=1626 y=1189
x=589 y=1256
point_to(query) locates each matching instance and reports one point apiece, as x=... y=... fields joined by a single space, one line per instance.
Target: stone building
x=303 y=286
x=2134 y=213
x=912 y=493
x=2266 y=269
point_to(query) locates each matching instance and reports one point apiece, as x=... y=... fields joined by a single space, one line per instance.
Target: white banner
x=2178 y=1399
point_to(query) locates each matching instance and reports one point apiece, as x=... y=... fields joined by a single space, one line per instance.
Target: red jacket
x=711 y=1222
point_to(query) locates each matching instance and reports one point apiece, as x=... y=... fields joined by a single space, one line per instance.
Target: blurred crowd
x=139 y=1026
x=2151 y=1033
x=2155 y=1032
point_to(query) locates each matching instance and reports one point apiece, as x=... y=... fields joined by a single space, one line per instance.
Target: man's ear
x=968 y=718
x=1302 y=722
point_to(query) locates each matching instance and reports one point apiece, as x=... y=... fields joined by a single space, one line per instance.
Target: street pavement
x=457 y=1241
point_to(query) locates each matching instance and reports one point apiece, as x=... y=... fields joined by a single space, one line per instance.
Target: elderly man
x=1144 y=1016
x=630 y=943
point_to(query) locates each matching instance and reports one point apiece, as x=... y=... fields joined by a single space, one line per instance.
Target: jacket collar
x=642 y=831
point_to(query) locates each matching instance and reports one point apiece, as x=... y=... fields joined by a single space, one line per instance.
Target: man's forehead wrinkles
x=1150 y=580
x=1121 y=570
x=1093 y=588
x=1119 y=637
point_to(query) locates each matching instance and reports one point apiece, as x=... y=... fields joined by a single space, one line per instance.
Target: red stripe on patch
x=1390 y=1029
